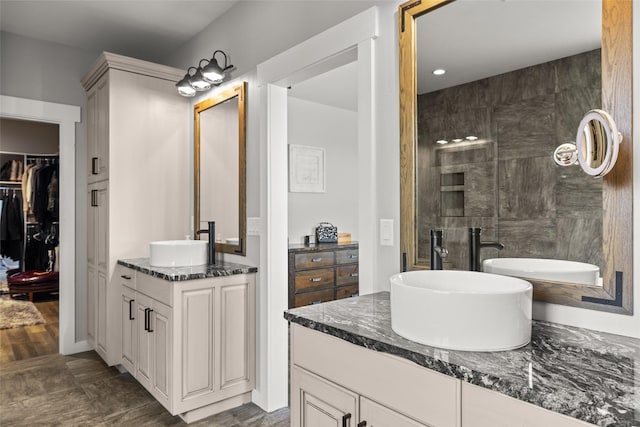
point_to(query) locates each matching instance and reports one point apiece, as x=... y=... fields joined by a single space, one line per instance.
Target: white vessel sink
x=178 y=253
x=461 y=310
x=545 y=269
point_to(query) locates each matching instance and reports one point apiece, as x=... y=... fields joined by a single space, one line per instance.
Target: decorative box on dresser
x=137 y=157
x=322 y=272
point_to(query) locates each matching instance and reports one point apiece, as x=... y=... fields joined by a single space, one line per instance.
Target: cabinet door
x=92 y=312
x=92 y=133
x=102 y=124
x=160 y=329
x=128 y=339
x=316 y=402
x=144 y=349
x=375 y=415
x=102 y=307
x=102 y=225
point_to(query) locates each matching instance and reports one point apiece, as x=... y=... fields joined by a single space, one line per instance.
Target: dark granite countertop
x=585 y=374
x=178 y=274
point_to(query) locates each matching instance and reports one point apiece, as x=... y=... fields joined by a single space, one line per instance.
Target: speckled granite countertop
x=589 y=375
x=178 y=274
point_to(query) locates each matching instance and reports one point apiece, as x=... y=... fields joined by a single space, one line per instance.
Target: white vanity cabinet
x=190 y=343
x=335 y=383
x=137 y=162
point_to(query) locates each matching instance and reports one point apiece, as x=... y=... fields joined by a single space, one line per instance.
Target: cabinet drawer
x=315 y=259
x=313 y=278
x=346 y=291
x=158 y=289
x=347 y=275
x=313 y=297
x=347 y=256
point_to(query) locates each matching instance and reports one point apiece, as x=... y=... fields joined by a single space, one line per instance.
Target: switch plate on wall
x=253 y=226
x=386 y=232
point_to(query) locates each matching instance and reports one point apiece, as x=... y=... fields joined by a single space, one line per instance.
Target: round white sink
x=178 y=253
x=545 y=269
x=461 y=310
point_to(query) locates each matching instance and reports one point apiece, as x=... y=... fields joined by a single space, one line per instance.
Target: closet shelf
x=10 y=182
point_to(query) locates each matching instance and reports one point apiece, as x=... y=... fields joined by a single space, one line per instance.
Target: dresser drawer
x=314 y=278
x=347 y=275
x=313 y=260
x=347 y=291
x=313 y=297
x=347 y=256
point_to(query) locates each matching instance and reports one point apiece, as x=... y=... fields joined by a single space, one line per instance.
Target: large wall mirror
x=478 y=136
x=220 y=168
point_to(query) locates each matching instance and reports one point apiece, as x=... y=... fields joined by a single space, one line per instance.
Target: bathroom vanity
x=349 y=368
x=188 y=334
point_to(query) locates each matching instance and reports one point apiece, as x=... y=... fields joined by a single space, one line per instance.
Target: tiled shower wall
x=506 y=181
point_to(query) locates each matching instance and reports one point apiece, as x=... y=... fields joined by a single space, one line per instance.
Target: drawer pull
x=316 y=259
x=316 y=279
x=345 y=420
x=124 y=276
x=354 y=275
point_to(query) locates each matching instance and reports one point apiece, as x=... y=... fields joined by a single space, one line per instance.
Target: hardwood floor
x=32 y=341
x=38 y=386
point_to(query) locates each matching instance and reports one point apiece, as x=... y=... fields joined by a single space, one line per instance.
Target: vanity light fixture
x=204 y=78
x=439 y=71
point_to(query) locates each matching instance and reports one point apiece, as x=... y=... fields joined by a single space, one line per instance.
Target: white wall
x=335 y=130
x=44 y=71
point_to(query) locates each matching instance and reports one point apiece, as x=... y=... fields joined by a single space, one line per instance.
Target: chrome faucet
x=438 y=252
x=211 y=246
x=475 y=245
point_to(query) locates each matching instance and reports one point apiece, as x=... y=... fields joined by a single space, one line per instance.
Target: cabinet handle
x=131 y=309
x=316 y=259
x=94 y=166
x=345 y=420
x=354 y=274
x=146 y=319
x=124 y=276
x=354 y=257
x=316 y=279
x=94 y=198
x=150 y=311
x=362 y=424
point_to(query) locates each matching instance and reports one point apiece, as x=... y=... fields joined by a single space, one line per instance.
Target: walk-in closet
x=29 y=238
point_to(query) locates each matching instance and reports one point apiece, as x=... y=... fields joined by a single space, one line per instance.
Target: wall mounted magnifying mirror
x=529 y=100
x=597 y=143
x=220 y=168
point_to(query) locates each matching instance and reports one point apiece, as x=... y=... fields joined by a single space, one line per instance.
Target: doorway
x=66 y=117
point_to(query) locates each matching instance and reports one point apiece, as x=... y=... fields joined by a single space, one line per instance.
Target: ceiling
x=145 y=29
x=474 y=39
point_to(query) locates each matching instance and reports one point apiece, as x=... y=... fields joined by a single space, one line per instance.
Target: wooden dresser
x=323 y=272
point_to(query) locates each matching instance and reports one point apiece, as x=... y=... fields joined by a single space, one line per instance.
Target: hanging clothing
x=25 y=187
x=43 y=178
x=11 y=226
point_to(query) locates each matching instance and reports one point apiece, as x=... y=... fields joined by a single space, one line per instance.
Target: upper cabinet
x=137 y=149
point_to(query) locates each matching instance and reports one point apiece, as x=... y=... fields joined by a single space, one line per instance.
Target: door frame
x=307 y=59
x=66 y=116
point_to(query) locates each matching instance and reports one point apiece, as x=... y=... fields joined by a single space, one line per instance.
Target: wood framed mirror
x=615 y=292
x=220 y=168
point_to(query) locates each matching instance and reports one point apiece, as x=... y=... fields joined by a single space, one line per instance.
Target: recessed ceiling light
x=457 y=140
x=471 y=138
x=439 y=71
x=442 y=141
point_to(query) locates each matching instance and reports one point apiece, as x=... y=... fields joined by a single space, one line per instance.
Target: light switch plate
x=386 y=232
x=253 y=226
